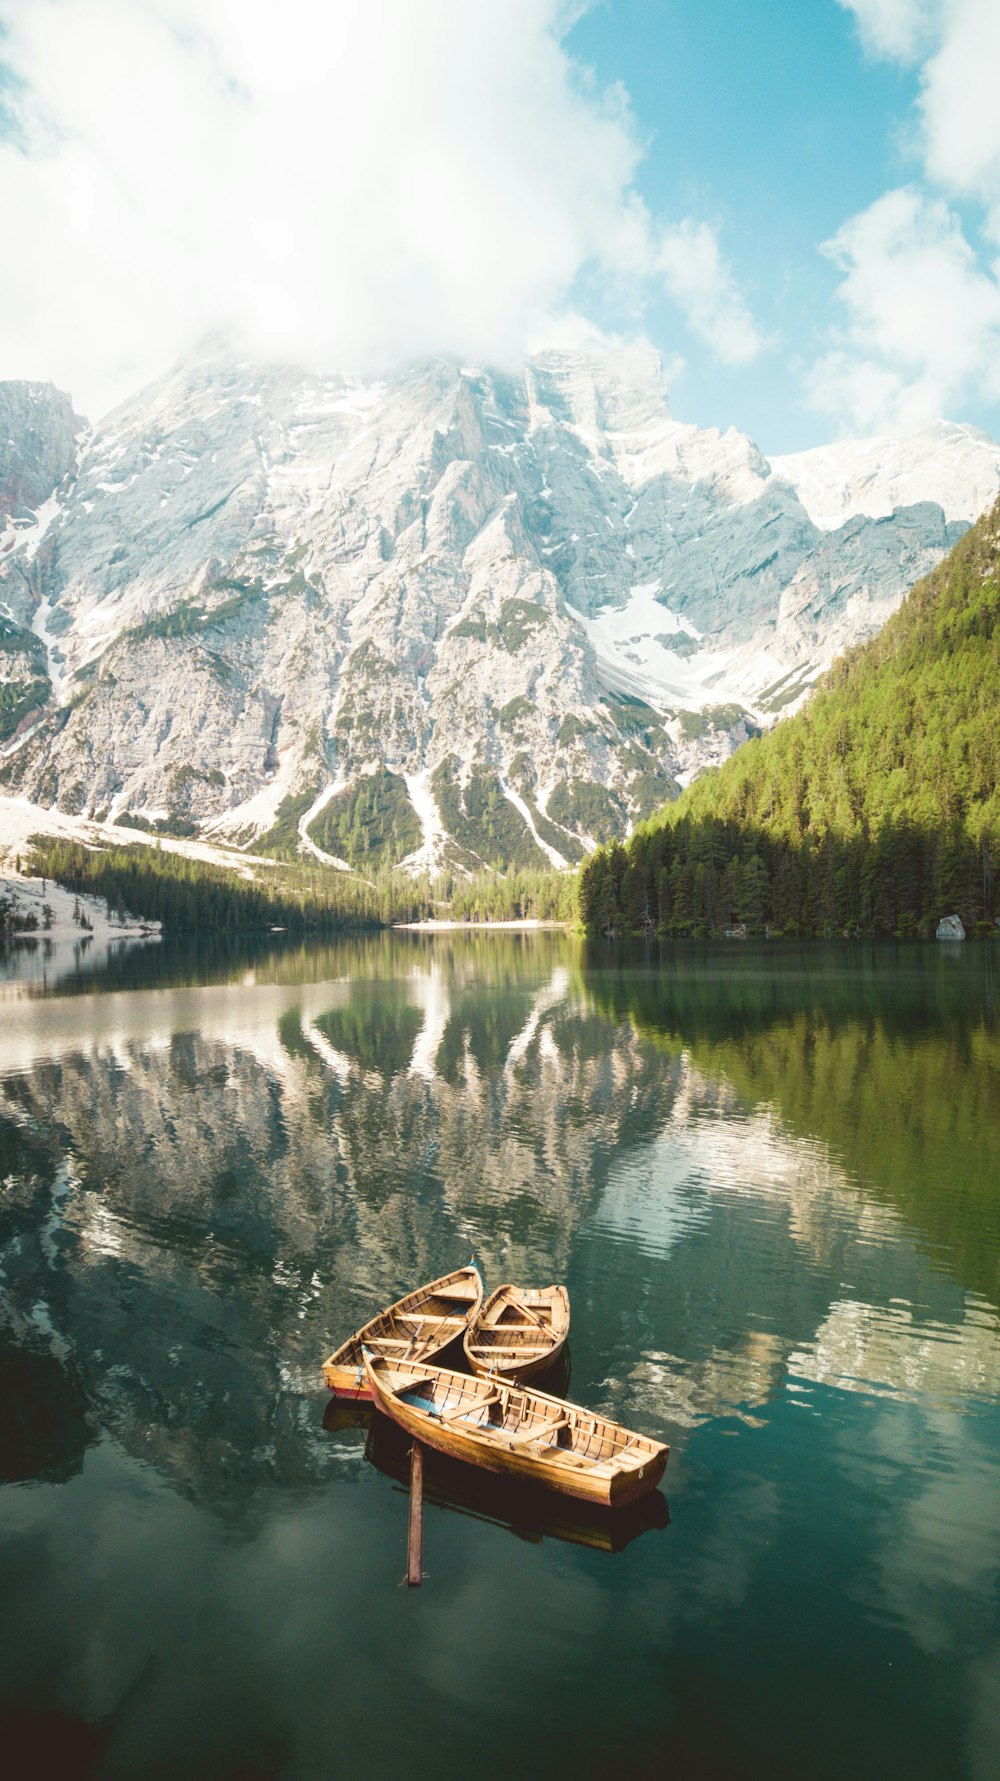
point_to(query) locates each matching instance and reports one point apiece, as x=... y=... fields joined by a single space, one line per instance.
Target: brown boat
x=516 y=1431
x=519 y=1332
x=526 y=1510
x=422 y=1327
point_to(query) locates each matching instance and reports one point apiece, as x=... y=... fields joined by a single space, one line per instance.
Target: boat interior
x=517 y=1417
x=420 y=1325
x=521 y=1327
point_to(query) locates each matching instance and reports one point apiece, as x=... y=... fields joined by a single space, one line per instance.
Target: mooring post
x=415 y=1548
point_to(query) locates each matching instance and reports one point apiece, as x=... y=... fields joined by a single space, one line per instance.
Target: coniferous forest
x=189 y=895
x=875 y=810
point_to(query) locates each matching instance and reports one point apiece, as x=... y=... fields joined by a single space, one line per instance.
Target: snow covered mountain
x=459 y=616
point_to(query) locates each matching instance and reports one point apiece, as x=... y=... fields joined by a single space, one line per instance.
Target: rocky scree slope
x=461 y=617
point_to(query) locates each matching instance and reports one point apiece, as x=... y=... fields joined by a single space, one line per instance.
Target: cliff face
x=39 y=436
x=459 y=616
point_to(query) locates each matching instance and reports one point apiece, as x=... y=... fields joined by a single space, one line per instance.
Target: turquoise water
x=768 y=1177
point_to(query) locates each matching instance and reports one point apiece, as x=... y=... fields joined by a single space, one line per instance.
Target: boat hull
x=344 y=1383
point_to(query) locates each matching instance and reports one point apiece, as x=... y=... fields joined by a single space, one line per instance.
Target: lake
x=768 y=1176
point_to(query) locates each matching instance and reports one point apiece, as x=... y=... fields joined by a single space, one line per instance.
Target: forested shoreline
x=188 y=895
x=874 y=810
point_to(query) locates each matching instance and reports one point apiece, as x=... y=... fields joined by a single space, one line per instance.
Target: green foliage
x=568 y=845
x=15 y=640
x=190 y=617
x=694 y=724
x=373 y=823
x=515 y=712
x=648 y=790
x=368 y=682
x=633 y=717
x=191 y=895
x=475 y=628
x=482 y=820
x=573 y=729
x=18 y=698
x=281 y=841
x=518 y=618
x=515 y=622
x=581 y=803
x=22 y=658
x=521 y=895
x=874 y=810
x=791 y=686
x=15 y=918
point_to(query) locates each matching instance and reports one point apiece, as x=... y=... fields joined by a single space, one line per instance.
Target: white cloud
x=957 y=43
x=703 y=288
x=960 y=113
x=896 y=28
x=921 y=291
x=923 y=319
x=344 y=181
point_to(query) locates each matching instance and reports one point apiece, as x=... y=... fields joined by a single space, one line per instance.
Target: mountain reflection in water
x=767 y=1177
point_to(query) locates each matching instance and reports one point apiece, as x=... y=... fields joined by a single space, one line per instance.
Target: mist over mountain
x=459 y=617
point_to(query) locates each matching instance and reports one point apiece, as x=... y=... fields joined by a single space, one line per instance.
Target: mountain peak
x=954 y=465
x=460 y=613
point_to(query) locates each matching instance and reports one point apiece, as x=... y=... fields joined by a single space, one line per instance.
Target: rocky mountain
x=459 y=617
x=874 y=810
x=38 y=449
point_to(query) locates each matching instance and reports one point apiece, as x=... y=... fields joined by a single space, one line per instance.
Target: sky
x=796 y=201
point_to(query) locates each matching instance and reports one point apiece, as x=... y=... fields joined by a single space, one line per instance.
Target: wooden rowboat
x=519 y=1332
x=422 y=1327
x=514 y=1430
x=525 y=1510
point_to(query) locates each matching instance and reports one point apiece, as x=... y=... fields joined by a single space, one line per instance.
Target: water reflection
x=880 y=1349
x=207 y=1185
x=767 y=1182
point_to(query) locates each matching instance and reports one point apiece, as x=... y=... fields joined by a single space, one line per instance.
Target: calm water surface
x=769 y=1179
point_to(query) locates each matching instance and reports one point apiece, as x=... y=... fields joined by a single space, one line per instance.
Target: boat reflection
x=529 y=1513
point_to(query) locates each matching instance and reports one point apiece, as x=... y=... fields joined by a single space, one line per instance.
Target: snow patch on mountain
x=257 y=813
x=955 y=466
x=552 y=854
x=635 y=649
x=522 y=606
x=430 y=855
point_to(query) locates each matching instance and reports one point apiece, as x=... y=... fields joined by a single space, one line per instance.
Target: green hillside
x=874 y=810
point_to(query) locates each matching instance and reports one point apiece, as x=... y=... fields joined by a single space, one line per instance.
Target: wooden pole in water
x=415 y=1548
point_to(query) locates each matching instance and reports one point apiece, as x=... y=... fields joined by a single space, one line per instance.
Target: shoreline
x=32 y=896
x=436 y=925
